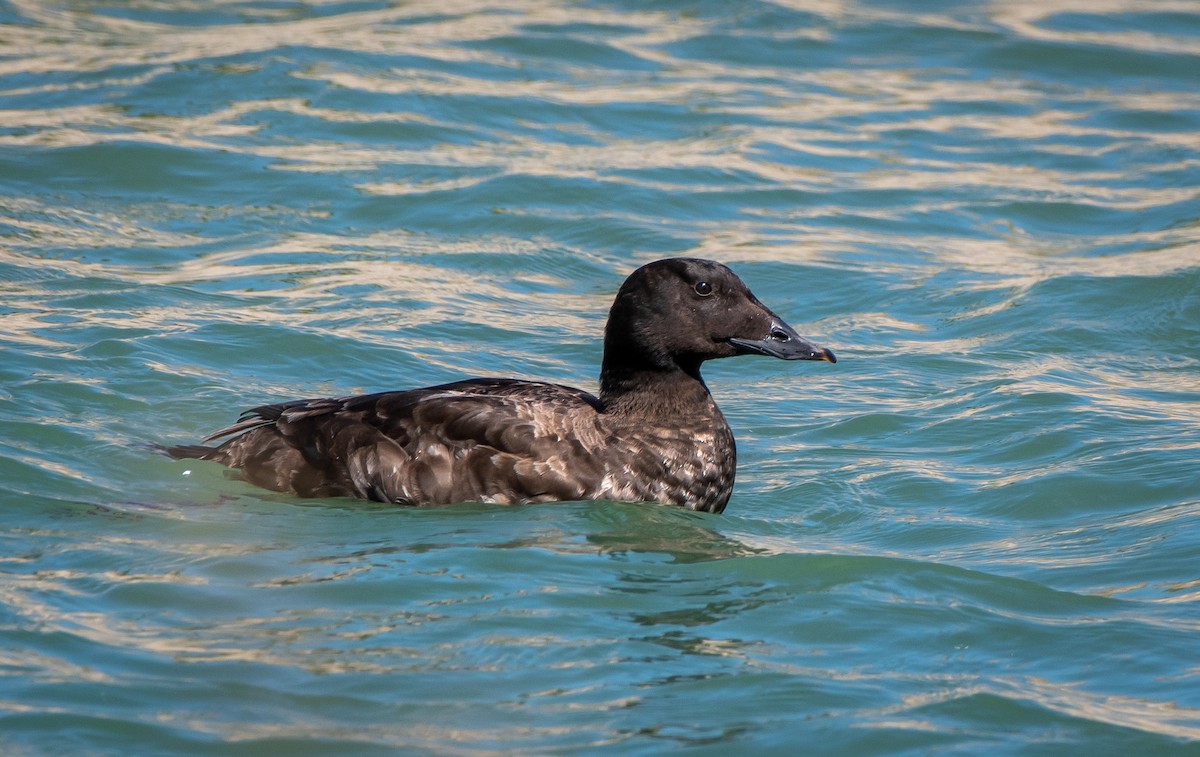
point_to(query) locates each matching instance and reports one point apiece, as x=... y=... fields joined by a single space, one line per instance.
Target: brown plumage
x=653 y=435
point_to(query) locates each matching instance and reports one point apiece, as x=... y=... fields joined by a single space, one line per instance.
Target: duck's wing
x=482 y=440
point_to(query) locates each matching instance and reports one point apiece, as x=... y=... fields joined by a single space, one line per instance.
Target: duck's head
x=683 y=311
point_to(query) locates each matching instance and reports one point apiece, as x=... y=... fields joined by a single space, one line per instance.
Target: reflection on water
x=975 y=533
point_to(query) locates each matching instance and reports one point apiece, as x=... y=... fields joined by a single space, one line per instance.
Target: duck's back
x=483 y=440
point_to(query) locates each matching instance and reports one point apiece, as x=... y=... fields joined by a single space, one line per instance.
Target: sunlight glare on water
x=976 y=533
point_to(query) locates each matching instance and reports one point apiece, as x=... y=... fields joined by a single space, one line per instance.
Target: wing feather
x=497 y=440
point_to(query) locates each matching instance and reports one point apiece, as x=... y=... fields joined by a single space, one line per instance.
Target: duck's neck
x=652 y=391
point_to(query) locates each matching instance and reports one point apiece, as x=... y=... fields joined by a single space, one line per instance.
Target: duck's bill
x=784 y=343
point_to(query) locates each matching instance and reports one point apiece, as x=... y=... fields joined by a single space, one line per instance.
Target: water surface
x=976 y=534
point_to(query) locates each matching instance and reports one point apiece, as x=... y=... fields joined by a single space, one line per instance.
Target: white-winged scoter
x=653 y=435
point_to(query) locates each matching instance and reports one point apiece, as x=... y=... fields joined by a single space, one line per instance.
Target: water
x=976 y=534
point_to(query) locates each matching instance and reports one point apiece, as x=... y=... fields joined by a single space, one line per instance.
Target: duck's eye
x=703 y=288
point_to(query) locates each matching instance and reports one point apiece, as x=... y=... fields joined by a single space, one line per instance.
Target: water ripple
x=975 y=533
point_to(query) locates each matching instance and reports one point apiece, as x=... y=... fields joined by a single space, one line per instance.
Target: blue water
x=978 y=533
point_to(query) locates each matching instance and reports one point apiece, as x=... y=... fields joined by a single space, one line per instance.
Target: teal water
x=978 y=533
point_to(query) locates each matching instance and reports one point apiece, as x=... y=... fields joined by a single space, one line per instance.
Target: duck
x=652 y=434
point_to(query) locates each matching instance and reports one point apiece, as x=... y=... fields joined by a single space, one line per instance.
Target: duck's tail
x=251 y=419
x=190 y=452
